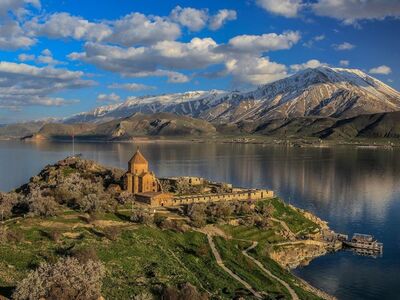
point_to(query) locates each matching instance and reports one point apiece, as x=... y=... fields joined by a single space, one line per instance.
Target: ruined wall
x=243 y=195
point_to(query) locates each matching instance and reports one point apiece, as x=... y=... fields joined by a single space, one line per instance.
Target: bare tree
x=64 y=280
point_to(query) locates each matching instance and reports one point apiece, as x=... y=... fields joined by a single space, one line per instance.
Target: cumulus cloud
x=286 y=8
x=351 y=11
x=65 y=26
x=344 y=46
x=344 y=63
x=46 y=58
x=311 y=64
x=26 y=57
x=381 y=70
x=194 y=19
x=17 y=7
x=223 y=15
x=264 y=43
x=169 y=58
x=137 y=28
x=108 y=97
x=13 y=36
x=22 y=84
x=133 y=87
x=142 y=61
x=255 y=71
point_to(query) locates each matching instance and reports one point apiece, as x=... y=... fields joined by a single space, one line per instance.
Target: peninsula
x=137 y=236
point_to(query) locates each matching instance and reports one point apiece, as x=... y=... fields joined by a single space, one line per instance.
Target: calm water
x=356 y=190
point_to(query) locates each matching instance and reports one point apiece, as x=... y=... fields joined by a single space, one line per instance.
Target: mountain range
x=319 y=92
x=321 y=102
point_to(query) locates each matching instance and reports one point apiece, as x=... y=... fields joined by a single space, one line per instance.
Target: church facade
x=139 y=179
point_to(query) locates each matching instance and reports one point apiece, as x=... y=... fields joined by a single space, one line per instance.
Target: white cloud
x=63 y=26
x=108 y=97
x=311 y=64
x=382 y=70
x=344 y=63
x=223 y=15
x=134 y=87
x=194 y=19
x=46 y=58
x=22 y=84
x=344 y=46
x=13 y=36
x=170 y=58
x=351 y=11
x=152 y=60
x=255 y=71
x=137 y=28
x=17 y=7
x=264 y=43
x=286 y=8
x=310 y=43
x=26 y=57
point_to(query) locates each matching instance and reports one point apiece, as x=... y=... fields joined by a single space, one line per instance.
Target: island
x=128 y=234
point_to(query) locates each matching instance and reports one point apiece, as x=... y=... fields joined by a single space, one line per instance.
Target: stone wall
x=235 y=196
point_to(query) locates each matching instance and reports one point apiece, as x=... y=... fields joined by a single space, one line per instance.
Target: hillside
x=138 y=125
x=76 y=209
x=319 y=92
x=12 y=131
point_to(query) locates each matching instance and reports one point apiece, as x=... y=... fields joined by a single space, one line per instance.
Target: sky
x=62 y=57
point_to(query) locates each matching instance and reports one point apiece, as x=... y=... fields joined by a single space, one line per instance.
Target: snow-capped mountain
x=319 y=92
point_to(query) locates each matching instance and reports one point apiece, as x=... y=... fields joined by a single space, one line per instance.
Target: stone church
x=138 y=178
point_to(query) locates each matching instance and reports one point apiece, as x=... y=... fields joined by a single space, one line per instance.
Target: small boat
x=364 y=241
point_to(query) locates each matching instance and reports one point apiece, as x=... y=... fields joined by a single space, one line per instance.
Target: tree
x=64 y=280
x=7 y=202
x=197 y=215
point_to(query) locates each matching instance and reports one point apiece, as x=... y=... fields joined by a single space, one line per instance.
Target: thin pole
x=73 y=142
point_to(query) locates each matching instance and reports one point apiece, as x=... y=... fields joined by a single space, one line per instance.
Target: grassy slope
x=143 y=257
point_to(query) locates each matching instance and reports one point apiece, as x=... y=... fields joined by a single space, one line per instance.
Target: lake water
x=356 y=190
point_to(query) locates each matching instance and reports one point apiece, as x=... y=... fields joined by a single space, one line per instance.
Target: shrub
x=160 y=220
x=185 y=292
x=52 y=235
x=83 y=255
x=9 y=236
x=7 y=202
x=143 y=296
x=64 y=280
x=196 y=213
x=112 y=233
x=142 y=217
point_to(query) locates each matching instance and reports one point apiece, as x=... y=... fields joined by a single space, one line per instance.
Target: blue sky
x=62 y=57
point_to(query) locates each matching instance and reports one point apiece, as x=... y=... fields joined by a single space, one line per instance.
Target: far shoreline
x=379 y=143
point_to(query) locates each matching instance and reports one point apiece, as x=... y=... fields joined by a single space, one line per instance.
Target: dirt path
x=261 y=266
x=233 y=275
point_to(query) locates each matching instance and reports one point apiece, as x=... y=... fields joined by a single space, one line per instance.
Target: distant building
x=147 y=189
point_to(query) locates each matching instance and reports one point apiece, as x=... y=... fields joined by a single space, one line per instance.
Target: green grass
x=260 y=253
x=294 y=219
x=252 y=233
x=142 y=258
x=246 y=269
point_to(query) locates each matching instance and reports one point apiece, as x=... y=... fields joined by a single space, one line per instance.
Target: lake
x=354 y=189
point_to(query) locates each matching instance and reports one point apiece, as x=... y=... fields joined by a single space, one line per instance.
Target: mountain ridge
x=323 y=92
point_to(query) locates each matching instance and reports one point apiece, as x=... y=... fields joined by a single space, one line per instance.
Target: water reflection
x=356 y=190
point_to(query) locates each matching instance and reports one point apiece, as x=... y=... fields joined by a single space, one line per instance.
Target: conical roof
x=138 y=158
